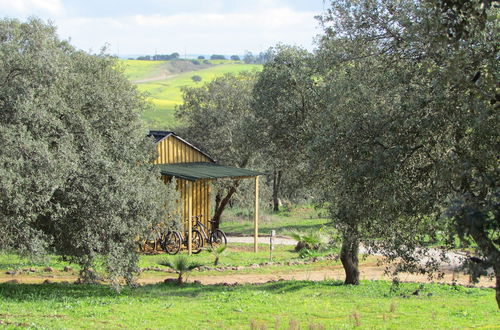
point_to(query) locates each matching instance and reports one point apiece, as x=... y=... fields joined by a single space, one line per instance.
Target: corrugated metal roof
x=205 y=170
x=159 y=135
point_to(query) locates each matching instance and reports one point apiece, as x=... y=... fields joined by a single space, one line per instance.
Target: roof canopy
x=205 y=170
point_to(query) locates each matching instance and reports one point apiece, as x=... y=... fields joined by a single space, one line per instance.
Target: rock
x=32 y=270
x=157 y=269
x=254 y=266
x=240 y=267
x=47 y=281
x=429 y=294
x=64 y=282
x=48 y=269
x=197 y=282
x=67 y=269
x=11 y=272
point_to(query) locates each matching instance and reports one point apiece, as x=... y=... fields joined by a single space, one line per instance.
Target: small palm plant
x=313 y=240
x=182 y=264
x=217 y=251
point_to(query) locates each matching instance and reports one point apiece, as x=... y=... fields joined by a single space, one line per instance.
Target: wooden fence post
x=256 y=214
x=271 y=244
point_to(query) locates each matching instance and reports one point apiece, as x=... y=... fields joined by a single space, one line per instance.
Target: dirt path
x=279 y=240
x=369 y=271
x=454 y=259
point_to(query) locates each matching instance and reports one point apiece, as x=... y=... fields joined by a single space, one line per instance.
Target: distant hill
x=162 y=81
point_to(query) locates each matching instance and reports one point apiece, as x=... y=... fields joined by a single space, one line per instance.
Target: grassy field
x=303 y=218
x=165 y=91
x=291 y=304
x=278 y=305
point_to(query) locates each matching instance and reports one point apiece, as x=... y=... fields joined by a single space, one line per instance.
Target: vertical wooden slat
x=209 y=200
x=163 y=148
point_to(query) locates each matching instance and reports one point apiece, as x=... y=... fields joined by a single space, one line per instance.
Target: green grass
x=165 y=94
x=237 y=254
x=278 y=305
x=302 y=218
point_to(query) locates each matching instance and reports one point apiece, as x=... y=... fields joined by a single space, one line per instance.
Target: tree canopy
x=74 y=173
x=218 y=118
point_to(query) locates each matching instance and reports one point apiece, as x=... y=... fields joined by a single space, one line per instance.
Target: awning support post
x=256 y=214
x=190 y=217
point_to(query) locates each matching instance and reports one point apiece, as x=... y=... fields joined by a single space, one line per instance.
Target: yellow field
x=160 y=81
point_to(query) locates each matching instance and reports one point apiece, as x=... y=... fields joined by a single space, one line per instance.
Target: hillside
x=162 y=81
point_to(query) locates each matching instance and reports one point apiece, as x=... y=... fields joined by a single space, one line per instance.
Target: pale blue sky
x=166 y=26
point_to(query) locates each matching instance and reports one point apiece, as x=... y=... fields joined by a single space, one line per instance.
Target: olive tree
x=286 y=105
x=218 y=118
x=74 y=173
x=414 y=125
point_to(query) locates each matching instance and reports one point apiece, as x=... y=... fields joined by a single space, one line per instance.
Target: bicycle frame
x=202 y=228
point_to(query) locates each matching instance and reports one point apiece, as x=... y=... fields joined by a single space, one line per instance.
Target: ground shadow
x=64 y=292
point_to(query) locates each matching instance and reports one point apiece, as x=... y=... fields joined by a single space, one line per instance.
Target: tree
x=201 y=57
x=414 y=116
x=235 y=57
x=196 y=78
x=217 y=57
x=286 y=103
x=74 y=174
x=248 y=58
x=218 y=118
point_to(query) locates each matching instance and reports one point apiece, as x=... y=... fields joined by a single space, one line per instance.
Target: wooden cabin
x=194 y=171
x=174 y=150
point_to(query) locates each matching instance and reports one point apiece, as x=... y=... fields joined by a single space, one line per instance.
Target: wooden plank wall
x=172 y=150
x=201 y=200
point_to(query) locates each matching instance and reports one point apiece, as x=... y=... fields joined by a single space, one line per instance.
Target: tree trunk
x=349 y=258
x=276 y=189
x=221 y=203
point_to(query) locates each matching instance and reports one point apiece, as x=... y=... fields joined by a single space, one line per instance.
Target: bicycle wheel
x=196 y=242
x=172 y=242
x=218 y=238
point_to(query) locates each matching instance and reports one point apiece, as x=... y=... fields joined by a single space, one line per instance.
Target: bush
x=196 y=78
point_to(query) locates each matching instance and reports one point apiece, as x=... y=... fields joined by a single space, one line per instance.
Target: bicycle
x=153 y=238
x=174 y=240
x=214 y=238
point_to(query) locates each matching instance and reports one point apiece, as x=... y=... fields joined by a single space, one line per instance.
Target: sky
x=141 y=27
